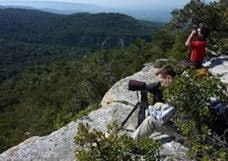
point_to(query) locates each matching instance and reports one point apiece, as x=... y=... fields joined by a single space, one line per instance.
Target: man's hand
x=187 y=43
x=193 y=32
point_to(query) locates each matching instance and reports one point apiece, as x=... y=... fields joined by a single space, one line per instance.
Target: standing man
x=197 y=43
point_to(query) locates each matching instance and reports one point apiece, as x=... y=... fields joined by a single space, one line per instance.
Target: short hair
x=205 y=32
x=166 y=70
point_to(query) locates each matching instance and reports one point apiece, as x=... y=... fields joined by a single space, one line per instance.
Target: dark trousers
x=195 y=64
x=182 y=65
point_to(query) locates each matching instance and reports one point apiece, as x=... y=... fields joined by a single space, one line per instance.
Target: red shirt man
x=198 y=49
x=197 y=43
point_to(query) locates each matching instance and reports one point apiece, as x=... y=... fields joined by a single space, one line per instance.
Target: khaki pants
x=150 y=125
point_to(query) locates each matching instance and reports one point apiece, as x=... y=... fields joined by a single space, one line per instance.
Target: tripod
x=142 y=105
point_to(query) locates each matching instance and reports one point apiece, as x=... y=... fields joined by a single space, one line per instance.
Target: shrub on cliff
x=95 y=145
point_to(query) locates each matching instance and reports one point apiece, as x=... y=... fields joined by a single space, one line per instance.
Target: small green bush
x=94 y=145
x=189 y=94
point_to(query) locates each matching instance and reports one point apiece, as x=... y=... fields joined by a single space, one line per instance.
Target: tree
x=179 y=51
x=195 y=13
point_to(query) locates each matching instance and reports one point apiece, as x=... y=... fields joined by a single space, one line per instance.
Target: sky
x=124 y=3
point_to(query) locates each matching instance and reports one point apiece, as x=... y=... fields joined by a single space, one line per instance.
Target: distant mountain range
x=79 y=29
x=160 y=15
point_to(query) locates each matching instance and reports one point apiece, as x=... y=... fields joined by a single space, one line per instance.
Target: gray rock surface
x=218 y=67
x=173 y=151
x=57 y=146
x=116 y=105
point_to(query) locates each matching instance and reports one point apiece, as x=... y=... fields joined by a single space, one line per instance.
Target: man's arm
x=187 y=43
x=153 y=87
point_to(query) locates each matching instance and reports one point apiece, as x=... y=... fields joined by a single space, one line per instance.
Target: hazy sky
x=123 y=3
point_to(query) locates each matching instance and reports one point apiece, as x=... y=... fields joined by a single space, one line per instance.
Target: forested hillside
x=81 y=29
x=55 y=85
x=31 y=37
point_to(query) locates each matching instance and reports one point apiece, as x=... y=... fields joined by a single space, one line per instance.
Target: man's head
x=166 y=75
x=202 y=33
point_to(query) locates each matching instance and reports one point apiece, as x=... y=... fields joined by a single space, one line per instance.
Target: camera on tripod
x=135 y=85
x=142 y=104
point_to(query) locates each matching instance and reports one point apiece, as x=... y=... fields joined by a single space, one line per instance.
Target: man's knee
x=150 y=121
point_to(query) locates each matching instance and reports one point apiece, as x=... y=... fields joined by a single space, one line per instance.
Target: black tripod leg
x=143 y=105
x=141 y=113
x=129 y=115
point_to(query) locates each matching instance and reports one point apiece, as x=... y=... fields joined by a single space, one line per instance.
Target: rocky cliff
x=116 y=105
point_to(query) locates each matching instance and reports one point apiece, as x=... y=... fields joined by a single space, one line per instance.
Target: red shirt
x=198 y=49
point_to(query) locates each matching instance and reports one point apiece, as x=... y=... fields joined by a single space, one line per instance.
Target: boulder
x=120 y=93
